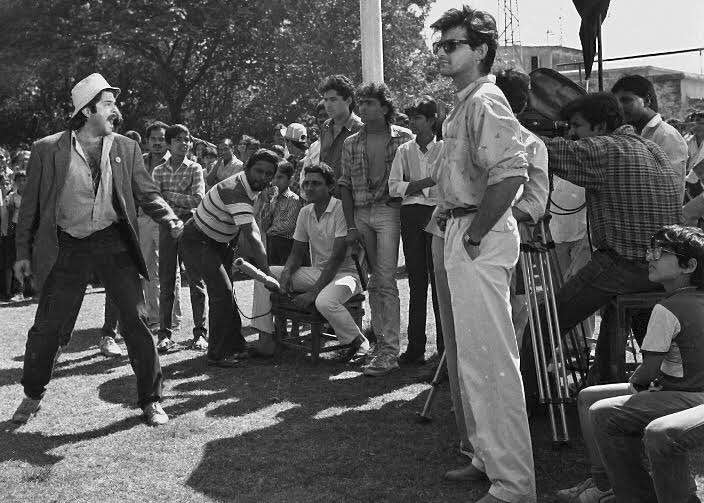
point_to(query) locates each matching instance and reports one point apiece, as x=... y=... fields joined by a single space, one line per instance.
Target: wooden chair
x=311 y=341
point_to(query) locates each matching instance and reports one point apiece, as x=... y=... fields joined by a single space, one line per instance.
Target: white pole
x=372 y=47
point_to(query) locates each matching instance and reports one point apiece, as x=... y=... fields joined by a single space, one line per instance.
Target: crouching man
x=330 y=281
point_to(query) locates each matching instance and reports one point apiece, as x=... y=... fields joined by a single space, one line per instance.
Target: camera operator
x=631 y=192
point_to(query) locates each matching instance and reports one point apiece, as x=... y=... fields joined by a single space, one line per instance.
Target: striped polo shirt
x=226 y=206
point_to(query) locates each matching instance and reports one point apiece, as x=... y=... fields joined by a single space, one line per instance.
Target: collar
x=243 y=180
x=107 y=144
x=331 y=205
x=186 y=162
x=464 y=93
x=625 y=129
x=653 y=122
x=287 y=193
x=429 y=145
x=352 y=121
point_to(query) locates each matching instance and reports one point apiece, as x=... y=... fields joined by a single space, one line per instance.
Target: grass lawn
x=267 y=431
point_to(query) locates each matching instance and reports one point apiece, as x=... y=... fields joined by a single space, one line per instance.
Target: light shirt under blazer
x=81 y=210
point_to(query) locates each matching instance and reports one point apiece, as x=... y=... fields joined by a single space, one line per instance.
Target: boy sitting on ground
x=662 y=404
x=332 y=278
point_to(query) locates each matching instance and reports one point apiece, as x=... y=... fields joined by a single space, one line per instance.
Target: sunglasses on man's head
x=449 y=45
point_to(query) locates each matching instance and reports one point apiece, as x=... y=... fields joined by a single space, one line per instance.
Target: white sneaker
x=154 y=414
x=108 y=347
x=584 y=492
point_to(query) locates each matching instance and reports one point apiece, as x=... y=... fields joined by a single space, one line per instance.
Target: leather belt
x=461 y=211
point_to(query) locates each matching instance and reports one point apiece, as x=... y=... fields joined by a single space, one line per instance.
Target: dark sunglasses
x=449 y=45
x=311 y=183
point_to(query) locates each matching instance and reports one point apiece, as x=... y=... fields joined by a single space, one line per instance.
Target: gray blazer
x=36 y=235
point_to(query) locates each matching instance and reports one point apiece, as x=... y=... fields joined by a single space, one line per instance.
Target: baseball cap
x=87 y=89
x=295 y=132
x=425 y=105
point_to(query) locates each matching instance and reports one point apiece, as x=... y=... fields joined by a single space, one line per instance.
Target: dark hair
x=514 y=85
x=286 y=168
x=278 y=149
x=340 y=84
x=209 y=151
x=640 y=86
x=175 y=130
x=688 y=243
x=155 y=125
x=250 y=141
x=79 y=120
x=320 y=106
x=325 y=171
x=134 y=135
x=227 y=141
x=596 y=108
x=381 y=92
x=262 y=155
x=480 y=27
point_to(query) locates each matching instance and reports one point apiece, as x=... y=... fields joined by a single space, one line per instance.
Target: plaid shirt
x=631 y=188
x=331 y=145
x=183 y=188
x=279 y=214
x=355 y=172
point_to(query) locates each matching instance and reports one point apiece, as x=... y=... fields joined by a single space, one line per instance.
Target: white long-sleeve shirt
x=410 y=165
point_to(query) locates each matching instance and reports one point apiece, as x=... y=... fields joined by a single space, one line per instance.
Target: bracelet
x=351 y=228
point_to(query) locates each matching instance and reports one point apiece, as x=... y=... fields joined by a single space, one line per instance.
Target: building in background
x=679 y=93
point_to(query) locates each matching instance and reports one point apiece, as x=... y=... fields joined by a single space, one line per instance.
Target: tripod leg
x=425 y=413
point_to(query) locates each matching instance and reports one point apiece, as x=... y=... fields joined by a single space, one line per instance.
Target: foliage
x=222 y=67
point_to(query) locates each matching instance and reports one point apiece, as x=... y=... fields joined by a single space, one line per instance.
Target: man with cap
x=296 y=138
x=409 y=181
x=78 y=215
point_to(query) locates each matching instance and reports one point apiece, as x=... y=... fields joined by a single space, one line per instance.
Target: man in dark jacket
x=79 y=214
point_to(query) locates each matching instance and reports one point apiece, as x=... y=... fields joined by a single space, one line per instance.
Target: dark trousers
x=168 y=262
x=419 y=266
x=594 y=287
x=111 y=317
x=104 y=252
x=209 y=261
x=278 y=249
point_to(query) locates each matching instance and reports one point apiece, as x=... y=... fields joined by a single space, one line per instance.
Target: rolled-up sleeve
x=346 y=166
x=536 y=190
x=501 y=150
x=397 y=186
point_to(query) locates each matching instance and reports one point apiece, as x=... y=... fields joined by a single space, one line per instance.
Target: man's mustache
x=116 y=118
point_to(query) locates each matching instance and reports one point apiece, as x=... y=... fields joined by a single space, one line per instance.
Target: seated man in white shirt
x=332 y=278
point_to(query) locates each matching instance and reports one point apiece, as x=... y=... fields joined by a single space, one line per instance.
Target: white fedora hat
x=87 y=89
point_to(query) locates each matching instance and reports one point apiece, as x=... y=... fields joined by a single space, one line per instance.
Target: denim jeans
x=168 y=267
x=379 y=225
x=104 y=252
x=149 y=244
x=595 y=286
x=418 y=252
x=208 y=262
x=668 y=424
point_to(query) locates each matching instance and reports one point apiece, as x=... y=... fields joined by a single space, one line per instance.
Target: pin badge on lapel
x=117 y=159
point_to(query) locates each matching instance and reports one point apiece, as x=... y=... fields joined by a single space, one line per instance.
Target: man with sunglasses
x=661 y=407
x=481 y=168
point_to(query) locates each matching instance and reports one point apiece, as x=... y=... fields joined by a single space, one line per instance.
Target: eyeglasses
x=653 y=253
x=449 y=45
x=311 y=183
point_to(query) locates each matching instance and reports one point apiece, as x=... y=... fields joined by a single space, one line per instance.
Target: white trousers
x=487 y=357
x=330 y=301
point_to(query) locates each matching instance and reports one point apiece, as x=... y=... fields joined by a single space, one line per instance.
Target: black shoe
x=412 y=358
x=229 y=361
x=358 y=348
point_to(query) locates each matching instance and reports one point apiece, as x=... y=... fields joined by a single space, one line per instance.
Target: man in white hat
x=79 y=214
x=296 y=138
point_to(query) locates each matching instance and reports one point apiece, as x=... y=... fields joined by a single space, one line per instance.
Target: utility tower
x=509 y=31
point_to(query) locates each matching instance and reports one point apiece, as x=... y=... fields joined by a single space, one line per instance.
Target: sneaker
x=381 y=365
x=229 y=361
x=199 y=344
x=585 y=492
x=166 y=345
x=465 y=474
x=26 y=411
x=108 y=347
x=18 y=298
x=154 y=414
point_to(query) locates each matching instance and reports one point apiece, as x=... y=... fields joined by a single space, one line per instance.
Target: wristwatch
x=468 y=241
